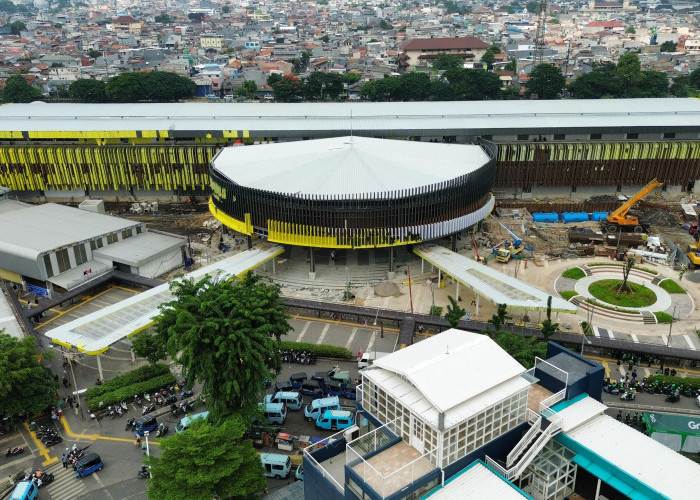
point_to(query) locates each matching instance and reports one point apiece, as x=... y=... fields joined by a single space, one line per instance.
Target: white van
x=316 y=408
x=292 y=400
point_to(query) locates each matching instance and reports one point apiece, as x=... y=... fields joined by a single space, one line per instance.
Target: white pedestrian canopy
x=94 y=333
x=493 y=285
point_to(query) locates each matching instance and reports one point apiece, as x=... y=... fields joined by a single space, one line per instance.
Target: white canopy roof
x=95 y=332
x=477 y=482
x=422 y=376
x=346 y=166
x=650 y=462
x=490 y=283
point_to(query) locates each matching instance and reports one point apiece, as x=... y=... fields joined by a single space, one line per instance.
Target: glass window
x=138 y=229
x=523 y=137
x=112 y=238
x=559 y=137
x=126 y=233
x=632 y=135
x=596 y=136
x=669 y=135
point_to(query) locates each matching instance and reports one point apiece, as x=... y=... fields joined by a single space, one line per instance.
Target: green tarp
x=678 y=432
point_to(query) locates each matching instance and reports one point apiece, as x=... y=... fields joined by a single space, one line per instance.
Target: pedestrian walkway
x=612 y=368
x=679 y=340
x=65 y=485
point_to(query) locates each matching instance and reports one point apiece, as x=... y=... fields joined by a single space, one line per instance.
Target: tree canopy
x=454 y=312
x=148 y=346
x=18 y=90
x=285 y=88
x=522 y=349
x=448 y=61
x=206 y=460
x=27 y=386
x=548 y=327
x=226 y=336
x=319 y=86
x=546 y=81
x=624 y=80
x=155 y=86
x=88 y=90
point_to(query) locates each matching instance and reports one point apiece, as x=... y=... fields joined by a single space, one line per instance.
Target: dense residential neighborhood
x=230 y=51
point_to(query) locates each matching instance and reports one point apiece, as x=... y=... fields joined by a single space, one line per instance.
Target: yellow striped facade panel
x=29 y=168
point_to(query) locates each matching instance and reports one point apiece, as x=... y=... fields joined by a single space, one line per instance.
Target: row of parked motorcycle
x=300 y=357
x=49 y=435
x=166 y=396
x=628 y=391
x=634 y=421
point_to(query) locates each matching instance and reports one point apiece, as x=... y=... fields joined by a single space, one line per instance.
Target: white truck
x=369 y=357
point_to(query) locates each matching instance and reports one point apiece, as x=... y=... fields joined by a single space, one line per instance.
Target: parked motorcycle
x=162 y=430
x=628 y=395
x=186 y=394
x=14 y=451
x=144 y=473
x=53 y=440
x=130 y=424
x=674 y=397
x=148 y=409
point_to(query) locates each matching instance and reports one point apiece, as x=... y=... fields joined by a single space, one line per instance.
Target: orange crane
x=620 y=221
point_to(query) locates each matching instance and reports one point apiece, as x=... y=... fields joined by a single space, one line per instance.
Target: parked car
x=297 y=379
x=88 y=464
x=335 y=420
x=284 y=386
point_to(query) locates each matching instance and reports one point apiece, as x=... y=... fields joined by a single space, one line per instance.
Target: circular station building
x=352 y=192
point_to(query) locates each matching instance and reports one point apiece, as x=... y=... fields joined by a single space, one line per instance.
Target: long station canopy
x=493 y=285
x=94 y=333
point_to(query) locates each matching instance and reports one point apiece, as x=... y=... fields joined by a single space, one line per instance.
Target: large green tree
x=694 y=78
x=319 y=86
x=18 y=90
x=155 y=86
x=26 y=385
x=448 y=61
x=547 y=81
x=127 y=87
x=225 y=334
x=148 y=346
x=248 y=89
x=206 y=461
x=522 y=349
x=286 y=87
x=497 y=321
x=668 y=46
x=88 y=90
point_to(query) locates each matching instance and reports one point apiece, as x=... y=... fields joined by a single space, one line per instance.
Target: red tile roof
x=467 y=42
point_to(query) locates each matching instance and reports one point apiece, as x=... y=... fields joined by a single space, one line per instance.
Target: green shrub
x=662 y=317
x=126 y=393
x=619 y=264
x=138 y=375
x=600 y=304
x=693 y=382
x=575 y=273
x=568 y=294
x=326 y=351
x=671 y=286
x=435 y=311
x=607 y=291
x=587 y=328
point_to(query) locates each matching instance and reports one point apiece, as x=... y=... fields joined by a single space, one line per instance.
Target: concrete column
x=457 y=292
x=391 y=259
x=476 y=311
x=597 y=490
x=312 y=264
x=422 y=265
x=439 y=276
x=99 y=368
x=454 y=243
x=250 y=242
x=273 y=265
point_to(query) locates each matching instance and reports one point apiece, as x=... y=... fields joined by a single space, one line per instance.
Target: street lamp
x=75 y=387
x=145 y=434
x=670 y=326
x=590 y=325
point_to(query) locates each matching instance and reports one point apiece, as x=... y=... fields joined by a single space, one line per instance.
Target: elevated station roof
x=333 y=119
x=94 y=333
x=487 y=282
x=630 y=461
x=347 y=166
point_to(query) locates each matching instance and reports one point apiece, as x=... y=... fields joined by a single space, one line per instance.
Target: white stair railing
x=524 y=442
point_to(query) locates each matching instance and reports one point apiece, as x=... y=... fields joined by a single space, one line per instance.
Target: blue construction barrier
x=545 y=217
x=598 y=216
x=574 y=217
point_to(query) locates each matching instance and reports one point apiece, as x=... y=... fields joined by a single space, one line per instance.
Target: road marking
x=97 y=437
x=371 y=343
x=303 y=331
x=610 y=332
x=43 y=451
x=336 y=322
x=596 y=332
x=666 y=340
x=97 y=478
x=323 y=333
x=690 y=343
x=634 y=337
x=352 y=337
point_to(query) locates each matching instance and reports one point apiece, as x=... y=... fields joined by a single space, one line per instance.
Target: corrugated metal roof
x=477 y=482
x=491 y=284
x=433 y=365
x=282 y=120
x=133 y=251
x=95 y=332
x=34 y=229
x=647 y=461
x=347 y=166
x=581 y=411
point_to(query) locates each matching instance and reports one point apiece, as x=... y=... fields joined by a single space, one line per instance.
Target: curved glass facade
x=371 y=219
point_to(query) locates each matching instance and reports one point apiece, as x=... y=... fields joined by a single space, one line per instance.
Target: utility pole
x=670 y=326
x=539 y=35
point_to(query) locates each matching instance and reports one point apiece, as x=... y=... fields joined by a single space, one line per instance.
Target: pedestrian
x=70 y=401
x=474 y=300
x=365 y=322
x=65 y=382
x=333 y=256
x=138 y=439
x=75 y=408
x=525 y=264
x=64 y=459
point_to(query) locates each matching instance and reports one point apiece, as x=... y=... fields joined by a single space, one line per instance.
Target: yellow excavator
x=693 y=253
x=620 y=221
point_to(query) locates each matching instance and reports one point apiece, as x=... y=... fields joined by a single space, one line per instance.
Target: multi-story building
x=422 y=51
x=127 y=24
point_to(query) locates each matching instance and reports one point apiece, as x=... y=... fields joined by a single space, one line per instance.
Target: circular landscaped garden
x=611 y=291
